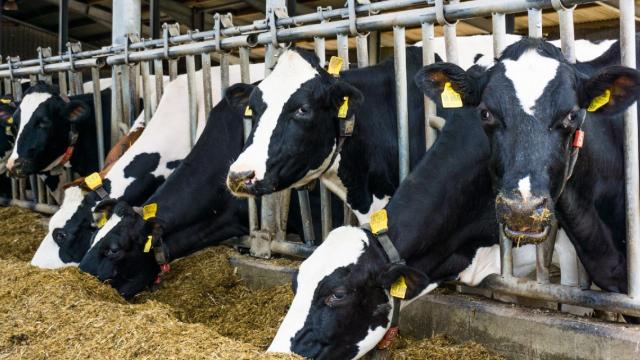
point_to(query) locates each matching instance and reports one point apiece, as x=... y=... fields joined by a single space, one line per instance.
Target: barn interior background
x=28 y=24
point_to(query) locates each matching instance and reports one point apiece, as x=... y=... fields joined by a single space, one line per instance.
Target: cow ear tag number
x=450 y=98
x=378 y=221
x=399 y=288
x=335 y=65
x=599 y=101
x=149 y=211
x=147 y=245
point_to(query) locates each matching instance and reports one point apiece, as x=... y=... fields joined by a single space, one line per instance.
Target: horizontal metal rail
x=42 y=208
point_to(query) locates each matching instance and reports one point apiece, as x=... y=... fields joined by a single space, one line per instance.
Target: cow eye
x=567 y=121
x=336 y=297
x=303 y=111
x=485 y=115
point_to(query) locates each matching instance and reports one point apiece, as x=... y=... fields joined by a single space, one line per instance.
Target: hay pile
x=200 y=311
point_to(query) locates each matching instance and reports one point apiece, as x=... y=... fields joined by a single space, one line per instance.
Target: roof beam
x=615 y=5
x=261 y=5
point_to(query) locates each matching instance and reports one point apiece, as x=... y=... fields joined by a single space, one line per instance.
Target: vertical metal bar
x=72 y=83
x=173 y=69
x=305 y=214
x=126 y=90
x=33 y=79
x=117 y=115
x=499 y=27
x=245 y=77
x=402 y=109
x=450 y=42
x=42 y=192
x=224 y=71
x=193 y=97
x=325 y=194
x=206 y=82
x=506 y=261
x=535 y=23
x=78 y=82
x=632 y=167
x=374 y=47
x=362 y=50
x=146 y=91
x=428 y=57
x=567 y=34
x=158 y=72
x=62 y=82
x=154 y=18
x=97 y=104
x=63 y=25
x=342 y=43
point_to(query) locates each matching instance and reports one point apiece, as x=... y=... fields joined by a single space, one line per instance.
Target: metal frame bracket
x=43 y=52
x=559 y=6
x=73 y=48
x=169 y=30
x=440 y=17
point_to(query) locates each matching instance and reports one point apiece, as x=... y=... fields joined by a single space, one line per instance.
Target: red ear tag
x=165 y=268
x=388 y=338
x=578 y=139
x=157 y=281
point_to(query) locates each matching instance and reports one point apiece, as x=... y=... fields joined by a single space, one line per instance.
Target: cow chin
x=532 y=234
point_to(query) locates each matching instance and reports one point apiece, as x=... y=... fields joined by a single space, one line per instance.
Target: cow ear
x=335 y=95
x=76 y=111
x=610 y=91
x=105 y=205
x=433 y=78
x=238 y=96
x=415 y=280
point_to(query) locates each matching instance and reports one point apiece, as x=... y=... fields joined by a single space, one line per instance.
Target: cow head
x=531 y=102
x=8 y=130
x=295 y=109
x=117 y=255
x=342 y=307
x=47 y=123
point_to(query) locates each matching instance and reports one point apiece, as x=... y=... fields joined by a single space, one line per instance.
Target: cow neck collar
x=379 y=230
x=573 y=148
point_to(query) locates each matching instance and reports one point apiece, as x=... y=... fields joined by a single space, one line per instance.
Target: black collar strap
x=149 y=211
x=94 y=182
x=378 y=227
x=577 y=140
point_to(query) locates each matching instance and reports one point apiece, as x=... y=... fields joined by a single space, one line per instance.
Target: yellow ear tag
x=102 y=220
x=599 y=101
x=344 y=108
x=399 y=288
x=147 y=245
x=248 y=112
x=149 y=211
x=93 y=181
x=450 y=98
x=378 y=221
x=335 y=65
x=10 y=120
x=5 y=101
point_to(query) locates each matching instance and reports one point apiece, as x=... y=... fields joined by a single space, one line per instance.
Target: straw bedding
x=200 y=311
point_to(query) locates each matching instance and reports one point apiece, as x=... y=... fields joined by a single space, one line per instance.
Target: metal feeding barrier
x=135 y=58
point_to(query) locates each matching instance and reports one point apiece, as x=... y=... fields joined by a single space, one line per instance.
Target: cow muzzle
x=241 y=183
x=525 y=221
x=20 y=168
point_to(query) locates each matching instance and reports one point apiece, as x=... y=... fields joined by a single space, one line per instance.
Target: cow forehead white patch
x=342 y=247
x=113 y=221
x=524 y=187
x=48 y=254
x=530 y=74
x=28 y=106
x=291 y=71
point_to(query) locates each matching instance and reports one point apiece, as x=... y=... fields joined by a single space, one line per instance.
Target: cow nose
x=530 y=217
x=241 y=180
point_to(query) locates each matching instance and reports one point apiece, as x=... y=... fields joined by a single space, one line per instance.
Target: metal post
x=362 y=50
x=325 y=194
x=428 y=57
x=224 y=71
x=97 y=104
x=173 y=69
x=158 y=72
x=499 y=27
x=402 y=108
x=628 y=51
x=146 y=91
x=117 y=112
x=245 y=77
x=62 y=82
x=535 y=22
x=506 y=261
x=193 y=97
x=154 y=18
x=206 y=82
x=63 y=25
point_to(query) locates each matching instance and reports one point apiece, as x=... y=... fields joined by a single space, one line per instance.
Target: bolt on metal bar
x=402 y=107
x=193 y=98
x=97 y=104
x=632 y=166
x=428 y=57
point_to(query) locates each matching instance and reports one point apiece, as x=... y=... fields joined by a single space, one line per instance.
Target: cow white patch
x=524 y=187
x=289 y=74
x=28 y=106
x=342 y=247
x=47 y=256
x=3 y=161
x=112 y=222
x=530 y=74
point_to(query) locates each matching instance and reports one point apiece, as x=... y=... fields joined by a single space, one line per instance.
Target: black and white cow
x=297 y=131
x=135 y=176
x=8 y=129
x=532 y=104
x=194 y=209
x=342 y=306
x=53 y=131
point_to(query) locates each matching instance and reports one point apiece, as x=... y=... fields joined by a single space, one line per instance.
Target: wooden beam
x=615 y=5
x=261 y=5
